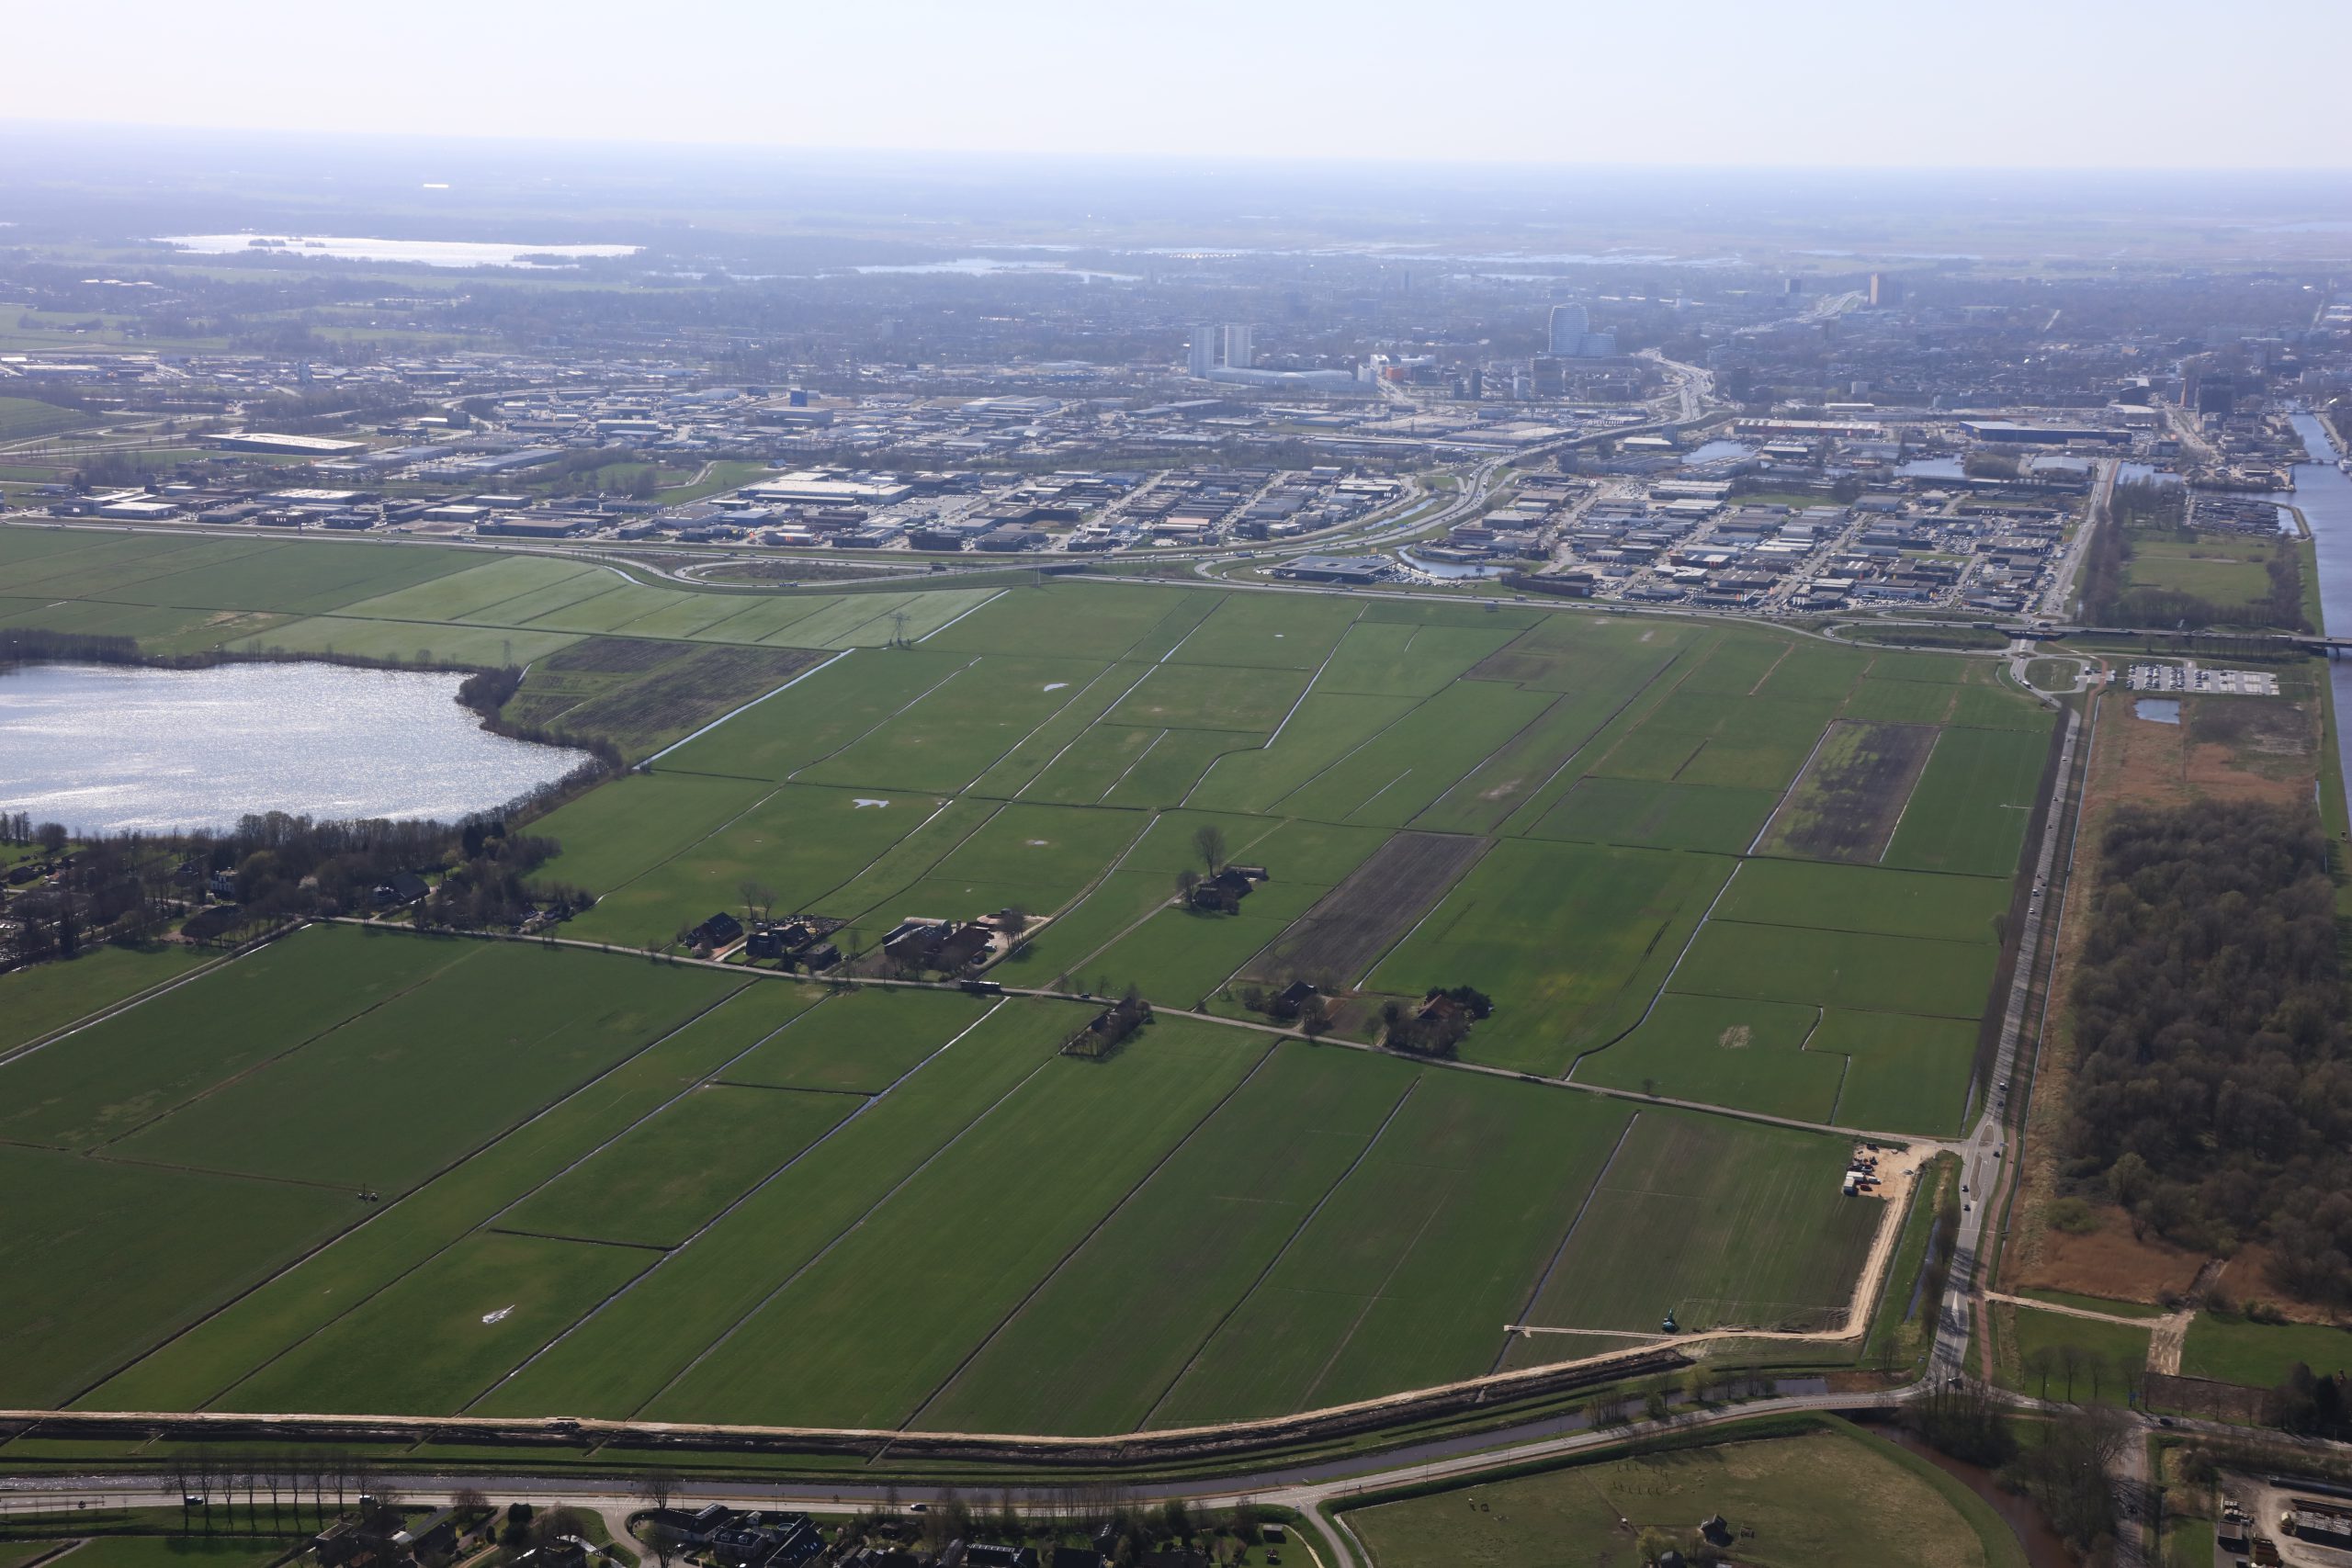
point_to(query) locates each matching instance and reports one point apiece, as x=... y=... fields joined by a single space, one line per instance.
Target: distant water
x=104 y=748
x=983 y=266
x=432 y=252
x=2324 y=495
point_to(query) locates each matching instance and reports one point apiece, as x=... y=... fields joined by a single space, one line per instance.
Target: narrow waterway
x=2324 y=495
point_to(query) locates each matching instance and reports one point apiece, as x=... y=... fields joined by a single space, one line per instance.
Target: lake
x=106 y=748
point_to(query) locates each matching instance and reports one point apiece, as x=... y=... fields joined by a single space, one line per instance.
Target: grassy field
x=1764 y=1238
x=2225 y=569
x=1829 y=1499
x=442 y=1175
x=2260 y=1355
x=22 y=417
x=48 y=997
x=1620 y=914
x=2058 y=1355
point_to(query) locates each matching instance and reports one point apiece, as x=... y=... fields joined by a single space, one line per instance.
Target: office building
x=1885 y=290
x=1237 y=348
x=1204 y=358
x=1569 y=326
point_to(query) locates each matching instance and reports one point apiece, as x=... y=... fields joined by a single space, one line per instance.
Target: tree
x=1313 y=1016
x=52 y=837
x=656 y=1486
x=1208 y=842
x=1186 y=881
x=758 y=900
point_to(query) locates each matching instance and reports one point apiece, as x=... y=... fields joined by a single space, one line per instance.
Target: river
x=2324 y=496
x=111 y=748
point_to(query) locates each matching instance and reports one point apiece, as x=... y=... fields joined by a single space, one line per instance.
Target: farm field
x=1764 y=1236
x=1829 y=1499
x=2260 y=1355
x=440 y=1174
x=48 y=997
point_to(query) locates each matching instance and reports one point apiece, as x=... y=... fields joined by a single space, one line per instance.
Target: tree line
x=2212 y=1096
x=274 y=868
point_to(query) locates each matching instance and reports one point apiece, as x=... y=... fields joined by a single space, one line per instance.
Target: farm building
x=1223 y=892
x=945 y=945
x=716 y=931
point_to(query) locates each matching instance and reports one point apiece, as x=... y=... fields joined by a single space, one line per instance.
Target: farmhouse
x=716 y=931
x=401 y=888
x=1223 y=892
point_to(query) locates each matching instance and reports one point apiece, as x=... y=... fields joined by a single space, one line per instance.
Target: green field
x=1835 y=1498
x=2224 y=568
x=22 y=417
x=441 y=1174
x=1763 y=1236
x=48 y=997
x=2260 y=1355
x=2104 y=1358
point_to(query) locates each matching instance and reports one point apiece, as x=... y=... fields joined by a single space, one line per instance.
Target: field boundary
x=544 y=1111
x=740 y=1199
x=124 y=1004
x=1535 y=1295
x=1050 y=1275
x=854 y=1226
x=813 y=670
x=1281 y=1252
x=209 y=1091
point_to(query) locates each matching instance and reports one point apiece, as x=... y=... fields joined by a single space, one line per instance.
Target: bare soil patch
x=1853 y=791
x=2108 y=1262
x=614 y=655
x=1347 y=930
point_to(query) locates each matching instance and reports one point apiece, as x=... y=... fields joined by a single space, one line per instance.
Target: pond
x=110 y=749
x=2157 y=710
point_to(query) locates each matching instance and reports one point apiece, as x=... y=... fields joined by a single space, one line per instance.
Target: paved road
x=1985 y=1151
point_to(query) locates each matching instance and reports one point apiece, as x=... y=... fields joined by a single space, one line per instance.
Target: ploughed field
x=374 y=1171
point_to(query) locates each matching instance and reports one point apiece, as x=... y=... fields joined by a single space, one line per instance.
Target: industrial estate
x=1683 y=906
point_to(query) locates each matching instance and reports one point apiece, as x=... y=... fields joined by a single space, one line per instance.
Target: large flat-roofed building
x=825 y=490
x=2015 y=433
x=286 y=445
x=1345 y=569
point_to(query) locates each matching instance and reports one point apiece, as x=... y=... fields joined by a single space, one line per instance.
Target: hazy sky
x=1982 y=82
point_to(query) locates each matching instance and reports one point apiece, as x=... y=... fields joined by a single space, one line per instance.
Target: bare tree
x=1208 y=841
